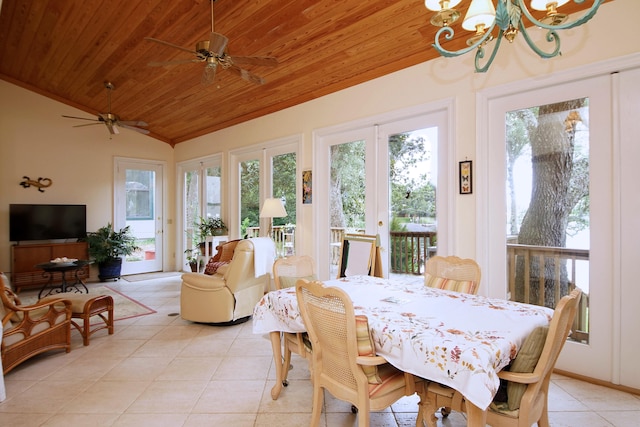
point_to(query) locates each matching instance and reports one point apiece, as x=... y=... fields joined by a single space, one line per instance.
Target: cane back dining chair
x=453 y=274
x=527 y=380
x=344 y=360
x=286 y=272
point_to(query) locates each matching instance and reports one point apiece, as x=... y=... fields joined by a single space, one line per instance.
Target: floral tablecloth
x=456 y=339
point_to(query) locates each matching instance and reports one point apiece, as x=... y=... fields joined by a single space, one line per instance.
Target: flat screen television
x=47 y=222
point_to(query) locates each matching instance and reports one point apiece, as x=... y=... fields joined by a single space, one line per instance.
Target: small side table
x=63 y=268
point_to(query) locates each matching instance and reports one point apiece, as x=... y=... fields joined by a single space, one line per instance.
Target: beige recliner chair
x=229 y=295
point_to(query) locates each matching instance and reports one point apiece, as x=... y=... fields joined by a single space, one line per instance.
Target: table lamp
x=272 y=208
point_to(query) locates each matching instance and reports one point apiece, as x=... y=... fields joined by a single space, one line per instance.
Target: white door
x=360 y=172
x=139 y=205
x=539 y=107
x=625 y=330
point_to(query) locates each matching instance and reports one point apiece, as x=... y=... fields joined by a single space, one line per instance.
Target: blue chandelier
x=508 y=15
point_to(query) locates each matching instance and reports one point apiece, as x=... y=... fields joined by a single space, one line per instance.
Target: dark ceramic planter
x=110 y=270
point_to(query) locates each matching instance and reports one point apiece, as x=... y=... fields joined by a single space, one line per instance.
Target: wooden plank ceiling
x=67 y=49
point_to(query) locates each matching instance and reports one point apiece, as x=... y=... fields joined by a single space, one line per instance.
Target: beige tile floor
x=159 y=370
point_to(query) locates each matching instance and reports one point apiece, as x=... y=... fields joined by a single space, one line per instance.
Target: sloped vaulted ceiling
x=67 y=49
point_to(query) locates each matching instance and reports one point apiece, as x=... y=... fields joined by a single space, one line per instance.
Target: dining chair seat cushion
x=390 y=379
x=525 y=362
x=290 y=281
x=465 y=286
x=366 y=348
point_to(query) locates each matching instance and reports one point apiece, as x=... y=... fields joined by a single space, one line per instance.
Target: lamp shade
x=273 y=208
x=480 y=12
x=542 y=4
x=437 y=5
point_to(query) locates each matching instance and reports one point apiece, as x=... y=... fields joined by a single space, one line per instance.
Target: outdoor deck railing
x=552 y=258
x=409 y=250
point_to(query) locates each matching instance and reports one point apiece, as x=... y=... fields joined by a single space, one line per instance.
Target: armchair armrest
x=203 y=281
x=519 y=377
x=371 y=360
x=30 y=319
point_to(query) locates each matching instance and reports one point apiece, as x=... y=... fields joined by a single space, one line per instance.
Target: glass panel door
x=202 y=198
x=549 y=229
x=346 y=195
x=548 y=205
x=139 y=206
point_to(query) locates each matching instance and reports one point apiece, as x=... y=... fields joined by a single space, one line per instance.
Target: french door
x=381 y=179
x=261 y=173
x=201 y=194
x=549 y=150
x=139 y=205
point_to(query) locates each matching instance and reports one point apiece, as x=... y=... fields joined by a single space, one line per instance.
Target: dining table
x=455 y=339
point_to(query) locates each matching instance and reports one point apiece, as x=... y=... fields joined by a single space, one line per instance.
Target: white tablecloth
x=456 y=339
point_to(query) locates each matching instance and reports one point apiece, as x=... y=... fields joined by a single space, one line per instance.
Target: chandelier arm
x=449 y=35
x=551 y=37
x=586 y=17
x=480 y=54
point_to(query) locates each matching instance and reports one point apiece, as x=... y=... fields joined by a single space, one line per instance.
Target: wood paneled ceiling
x=67 y=49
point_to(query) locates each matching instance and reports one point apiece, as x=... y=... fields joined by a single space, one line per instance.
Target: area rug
x=124 y=307
x=150 y=276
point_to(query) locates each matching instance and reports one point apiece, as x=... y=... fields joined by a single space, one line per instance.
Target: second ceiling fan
x=212 y=53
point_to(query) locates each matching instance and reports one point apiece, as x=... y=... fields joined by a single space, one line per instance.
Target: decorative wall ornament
x=40 y=183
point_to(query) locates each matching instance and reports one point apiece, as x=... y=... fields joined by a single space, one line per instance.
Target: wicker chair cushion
x=366 y=348
x=465 y=286
x=525 y=362
x=5 y=288
x=290 y=281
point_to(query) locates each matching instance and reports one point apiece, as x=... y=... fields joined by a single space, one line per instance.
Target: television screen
x=47 y=222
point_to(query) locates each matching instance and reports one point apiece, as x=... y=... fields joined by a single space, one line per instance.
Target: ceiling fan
x=112 y=121
x=212 y=53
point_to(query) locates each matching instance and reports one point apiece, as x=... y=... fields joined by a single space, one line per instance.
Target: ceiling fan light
x=438 y=5
x=480 y=13
x=546 y=4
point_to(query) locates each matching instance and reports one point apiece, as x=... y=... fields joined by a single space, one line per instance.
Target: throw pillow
x=465 y=286
x=213 y=266
x=525 y=361
x=366 y=347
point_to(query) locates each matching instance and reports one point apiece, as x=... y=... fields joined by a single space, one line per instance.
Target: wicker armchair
x=531 y=383
x=344 y=360
x=452 y=273
x=286 y=272
x=30 y=330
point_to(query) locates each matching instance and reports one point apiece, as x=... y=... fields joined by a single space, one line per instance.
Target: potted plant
x=107 y=247
x=192 y=259
x=210 y=226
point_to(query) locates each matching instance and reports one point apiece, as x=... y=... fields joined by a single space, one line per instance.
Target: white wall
x=35 y=141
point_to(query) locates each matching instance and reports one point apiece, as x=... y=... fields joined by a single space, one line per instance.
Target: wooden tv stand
x=25 y=274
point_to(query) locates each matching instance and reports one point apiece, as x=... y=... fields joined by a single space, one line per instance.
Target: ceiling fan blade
x=175 y=62
x=175 y=46
x=209 y=73
x=143 y=131
x=113 y=129
x=266 y=61
x=88 y=124
x=80 y=118
x=247 y=75
x=124 y=123
x=217 y=43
